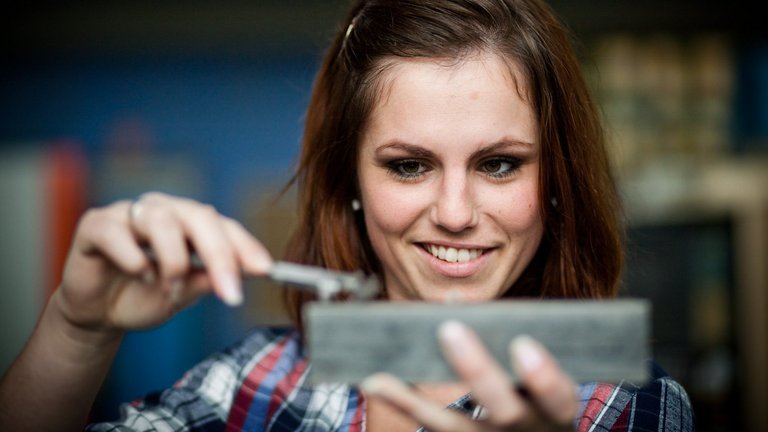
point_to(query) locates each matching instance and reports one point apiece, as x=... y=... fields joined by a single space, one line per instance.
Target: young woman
x=451 y=147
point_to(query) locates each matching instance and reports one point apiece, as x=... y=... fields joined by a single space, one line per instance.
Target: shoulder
x=660 y=405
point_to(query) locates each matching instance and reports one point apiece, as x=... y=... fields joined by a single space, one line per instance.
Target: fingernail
x=371 y=385
x=258 y=263
x=264 y=261
x=526 y=353
x=453 y=335
x=230 y=288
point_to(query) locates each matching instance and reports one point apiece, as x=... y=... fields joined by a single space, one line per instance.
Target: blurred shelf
x=672 y=190
x=684 y=193
x=590 y=17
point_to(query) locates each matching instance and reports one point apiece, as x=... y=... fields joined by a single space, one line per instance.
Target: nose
x=454 y=207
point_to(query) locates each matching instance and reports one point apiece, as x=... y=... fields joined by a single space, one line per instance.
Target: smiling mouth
x=452 y=255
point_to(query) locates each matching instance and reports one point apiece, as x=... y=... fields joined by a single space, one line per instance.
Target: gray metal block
x=593 y=340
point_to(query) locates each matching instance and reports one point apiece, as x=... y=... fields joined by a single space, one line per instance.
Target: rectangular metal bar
x=593 y=340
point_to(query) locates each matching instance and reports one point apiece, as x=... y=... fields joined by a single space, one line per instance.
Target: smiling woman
x=450 y=148
x=514 y=47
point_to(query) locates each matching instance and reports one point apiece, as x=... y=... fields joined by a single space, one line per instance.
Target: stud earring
x=356 y=204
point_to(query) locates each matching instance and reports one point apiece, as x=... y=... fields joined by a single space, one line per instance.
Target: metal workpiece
x=592 y=340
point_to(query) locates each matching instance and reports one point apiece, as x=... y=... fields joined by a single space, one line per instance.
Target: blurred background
x=102 y=101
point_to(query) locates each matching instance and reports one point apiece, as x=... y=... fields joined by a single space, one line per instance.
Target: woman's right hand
x=110 y=284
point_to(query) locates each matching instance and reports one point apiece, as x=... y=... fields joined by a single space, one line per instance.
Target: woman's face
x=448 y=173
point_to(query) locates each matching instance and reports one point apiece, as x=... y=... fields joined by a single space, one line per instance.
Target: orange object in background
x=65 y=199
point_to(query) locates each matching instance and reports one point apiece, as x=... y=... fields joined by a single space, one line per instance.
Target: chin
x=460 y=294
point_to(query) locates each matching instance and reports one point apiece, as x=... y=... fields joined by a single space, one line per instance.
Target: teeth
x=452 y=254
x=462 y=255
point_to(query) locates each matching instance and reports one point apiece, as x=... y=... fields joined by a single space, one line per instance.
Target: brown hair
x=580 y=254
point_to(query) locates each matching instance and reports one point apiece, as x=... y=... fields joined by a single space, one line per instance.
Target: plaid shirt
x=260 y=384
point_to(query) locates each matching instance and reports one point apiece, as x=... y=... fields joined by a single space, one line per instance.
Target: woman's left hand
x=550 y=402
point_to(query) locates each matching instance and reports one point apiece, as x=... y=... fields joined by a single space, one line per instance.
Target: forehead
x=473 y=99
x=501 y=70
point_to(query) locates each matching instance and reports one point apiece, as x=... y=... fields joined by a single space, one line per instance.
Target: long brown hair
x=580 y=254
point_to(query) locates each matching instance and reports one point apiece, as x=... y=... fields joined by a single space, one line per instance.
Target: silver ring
x=134 y=211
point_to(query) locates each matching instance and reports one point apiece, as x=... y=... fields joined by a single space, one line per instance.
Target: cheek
x=518 y=214
x=387 y=209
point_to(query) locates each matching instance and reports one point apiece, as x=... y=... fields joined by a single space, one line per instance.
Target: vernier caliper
x=325 y=283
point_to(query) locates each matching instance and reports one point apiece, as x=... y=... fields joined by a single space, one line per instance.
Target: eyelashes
x=501 y=167
x=497 y=167
x=406 y=169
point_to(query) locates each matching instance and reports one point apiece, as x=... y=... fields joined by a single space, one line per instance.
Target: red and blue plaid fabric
x=260 y=384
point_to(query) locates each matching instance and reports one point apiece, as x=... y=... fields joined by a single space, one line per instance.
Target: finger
x=404 y=399
x=203 y=225
x=198 y=223
x=158 y=224
x=252 y=255
x=490 y=383
x=105 y=231
x=552 y=390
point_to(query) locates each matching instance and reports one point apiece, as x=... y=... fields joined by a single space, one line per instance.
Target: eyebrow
x=405 y=147
x=504 y=144
x=419 y=151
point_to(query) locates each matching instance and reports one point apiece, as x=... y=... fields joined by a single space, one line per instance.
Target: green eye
x=410 y=167
x=500 y=167
x=494 y=166
x=407 y=169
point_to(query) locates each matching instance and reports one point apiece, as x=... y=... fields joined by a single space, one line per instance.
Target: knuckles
x=100 y=223
x=207 y=211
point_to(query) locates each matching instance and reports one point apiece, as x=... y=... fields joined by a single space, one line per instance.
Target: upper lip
x=454 y=245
